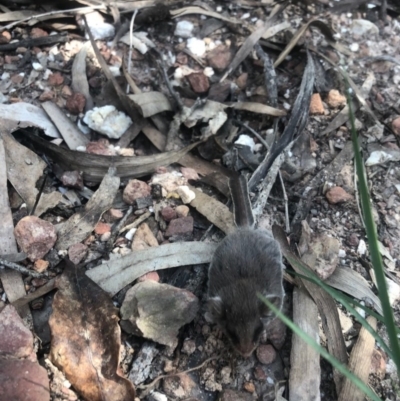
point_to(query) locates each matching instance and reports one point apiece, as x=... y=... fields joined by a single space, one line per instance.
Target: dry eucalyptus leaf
x=258 y=108
x=24 y=168
x=71 y=134
x=79 y=78
x=10 y=279
x=115 y=274
x=86 y=338
x=355 y=285
x=157 y=311
x=198 y=10
x=151 y=103
x=214 y=211
x=22 y=115
x=94 y=167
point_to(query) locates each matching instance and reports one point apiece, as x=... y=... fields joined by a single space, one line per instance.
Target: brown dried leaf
x=86 y=338
x=214 y=211
x=258 y=108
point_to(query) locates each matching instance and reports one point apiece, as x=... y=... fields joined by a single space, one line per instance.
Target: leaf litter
x=274 y=60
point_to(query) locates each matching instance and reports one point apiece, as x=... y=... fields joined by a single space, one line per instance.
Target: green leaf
x=372 y=236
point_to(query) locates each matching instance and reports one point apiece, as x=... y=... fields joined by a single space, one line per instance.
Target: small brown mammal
x=248 y=262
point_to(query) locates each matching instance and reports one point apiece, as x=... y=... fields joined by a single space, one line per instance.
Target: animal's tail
x=242 y=211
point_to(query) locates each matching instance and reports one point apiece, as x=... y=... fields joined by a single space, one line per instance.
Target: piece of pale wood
x=326 y=307
x=359 y=363
x=305 y=369
x=11 y=279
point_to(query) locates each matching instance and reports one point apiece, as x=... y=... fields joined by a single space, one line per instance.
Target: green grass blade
x=322 y=351
x=338 y=296
x=373 y=243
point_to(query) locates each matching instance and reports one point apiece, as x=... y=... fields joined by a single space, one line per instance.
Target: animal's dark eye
x=257 y=333
x=233 y=336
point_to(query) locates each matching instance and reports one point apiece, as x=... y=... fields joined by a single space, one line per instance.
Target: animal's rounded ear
x=265 y=311
x=215 y=310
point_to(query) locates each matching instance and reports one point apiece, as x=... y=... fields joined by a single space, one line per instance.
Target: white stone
x=342 y=253
x=115 y=70
x=129 y=235
x=108 y=121
x=354 y=47
x=196 y=46
x=47 y=74
x=185 y=193
x=208 y=72
x=362 y=26
x=246 y=141
x=362 y=247
x=378 y=157
x=393 y=291
x=184 y=29
x=37 y=66
x=101 y=31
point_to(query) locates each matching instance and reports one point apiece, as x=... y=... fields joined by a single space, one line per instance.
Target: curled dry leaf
x=81 y=224
x=86 y=338
x=94 y=167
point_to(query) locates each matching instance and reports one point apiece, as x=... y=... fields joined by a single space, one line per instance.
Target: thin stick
x=43 y=290
x=287 y=225
x=157 y=379
x=130 y=46
x=136 y=223
x=21 y=269
x=171 y=90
